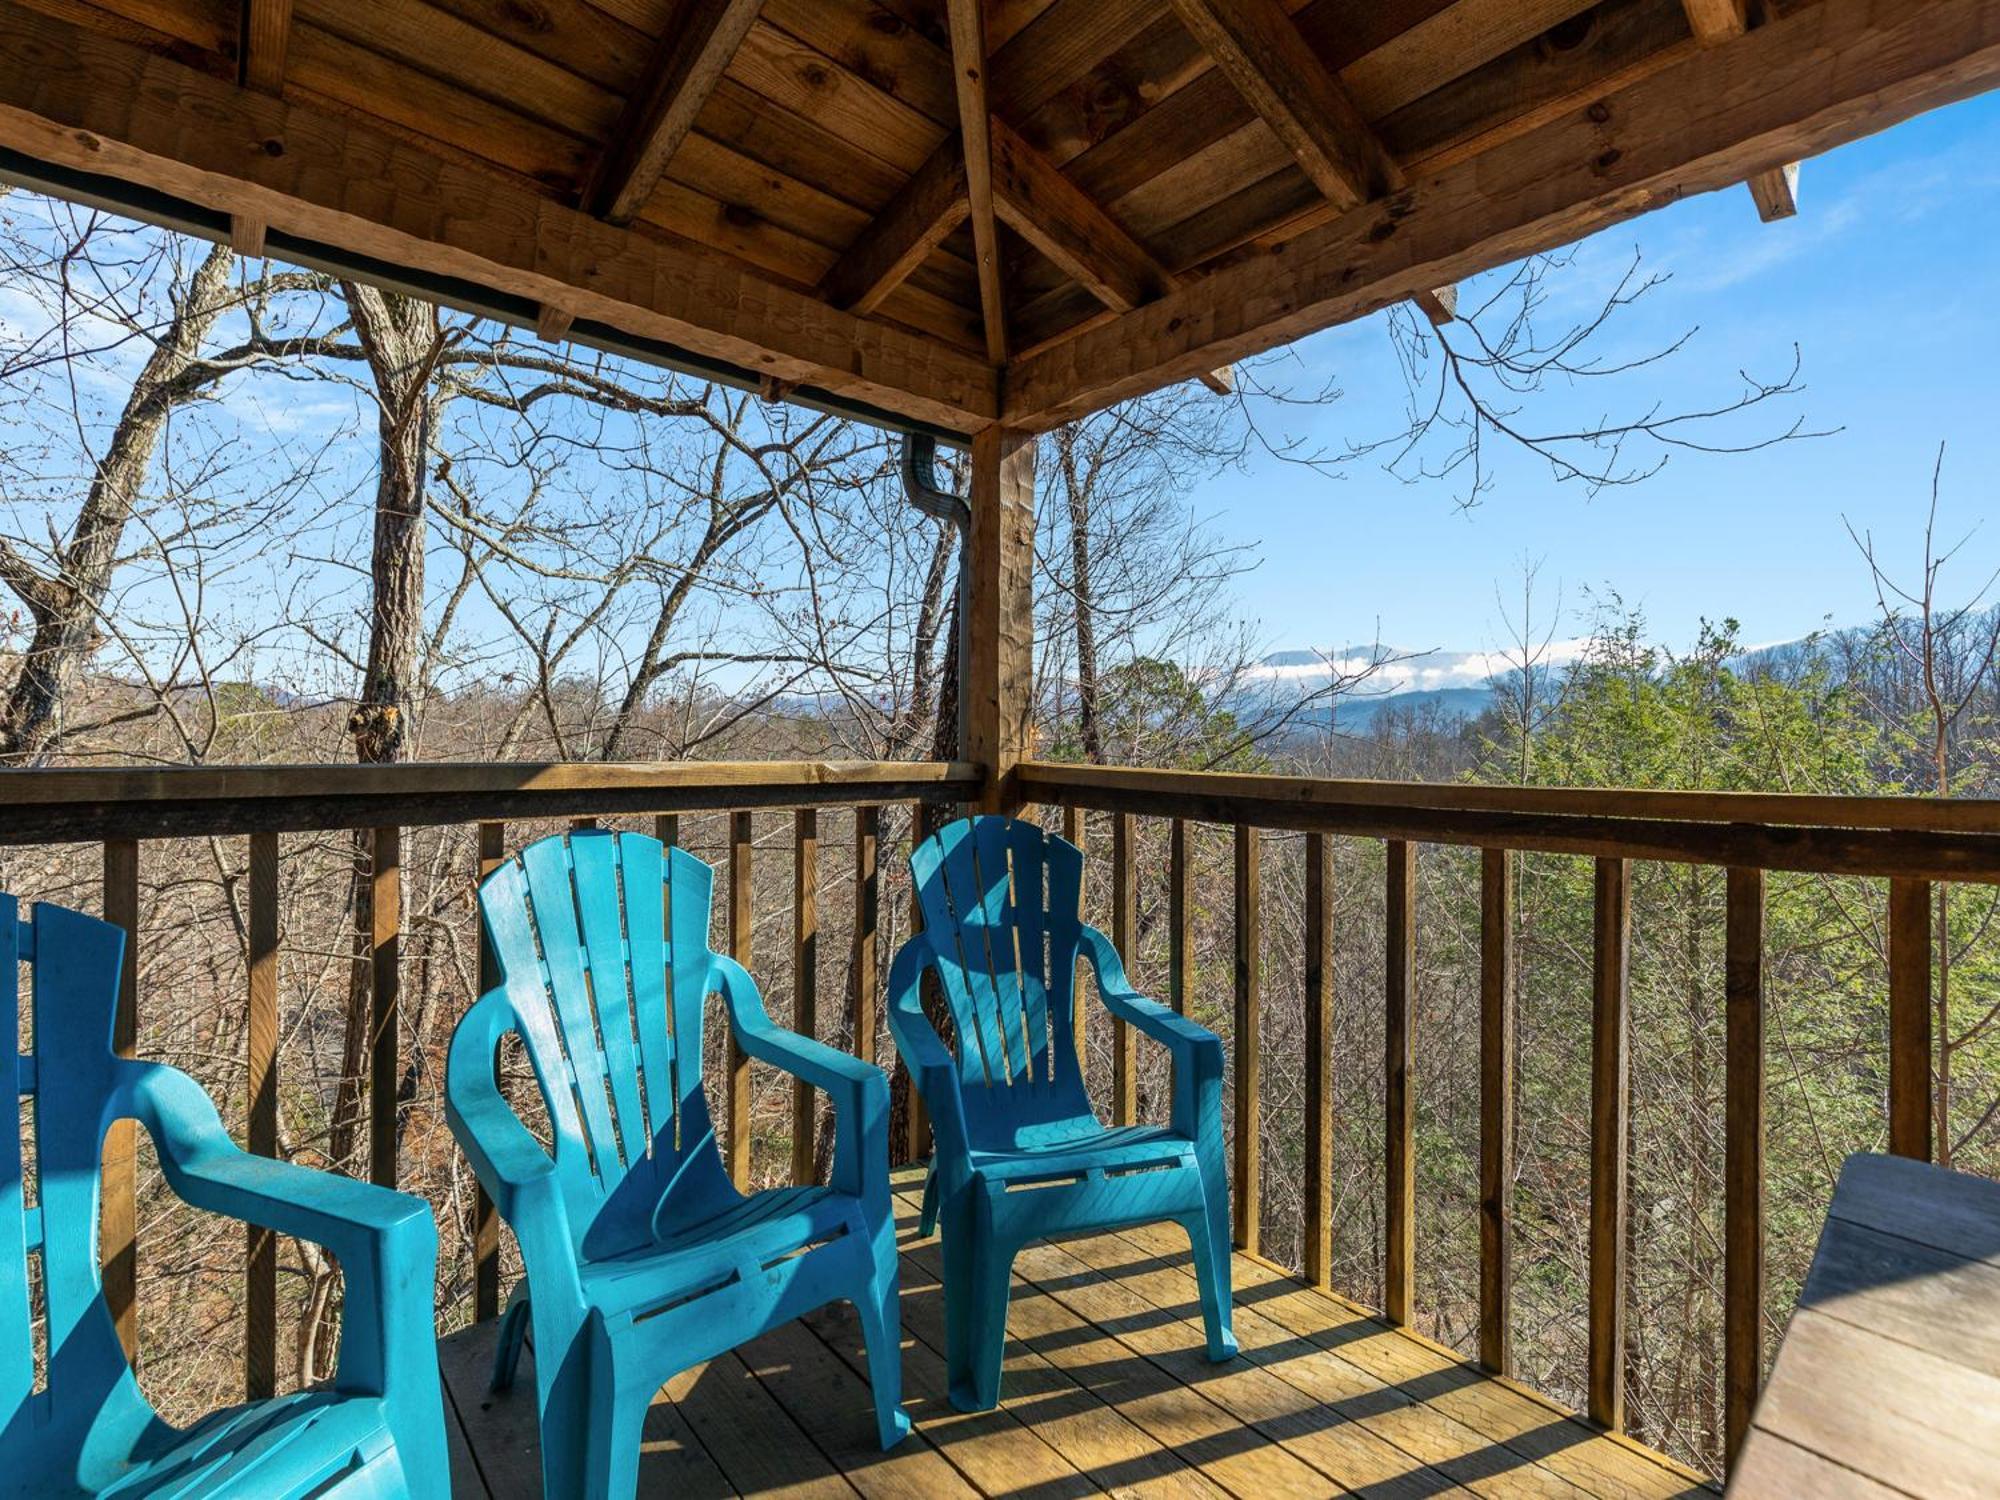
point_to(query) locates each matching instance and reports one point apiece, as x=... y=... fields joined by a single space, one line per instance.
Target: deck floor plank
x=1107 y=1390
x=1602 y=1466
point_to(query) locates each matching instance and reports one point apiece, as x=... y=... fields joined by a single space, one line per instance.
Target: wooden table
x=1888 y=1379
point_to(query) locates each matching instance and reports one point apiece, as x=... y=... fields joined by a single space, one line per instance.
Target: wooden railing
x=1911 y=843
x=124 y=808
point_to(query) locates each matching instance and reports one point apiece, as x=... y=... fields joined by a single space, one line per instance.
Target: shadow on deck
x=1106 y=1391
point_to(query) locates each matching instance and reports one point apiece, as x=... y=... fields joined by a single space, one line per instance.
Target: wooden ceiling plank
x=1048 y=211
x=78 y=99
x=931 y=206
x=1257 y=45
x=1817 y=78
x=266 y=34
x=700 y=41
x=968 y=56
x=1775 y=192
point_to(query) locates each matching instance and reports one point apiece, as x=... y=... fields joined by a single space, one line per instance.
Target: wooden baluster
x=260 y=1269
x=1399 y=1114
x=383 y=1063
x=1610 y=1089
x=485 y=1218
x=805 y=978
x=1249 y=1046
x=1910 y=1018
x=1743 y=1156
x=738 y=1091
x=864 y=996
x=1319 y=1051
x=1076 y=828
x=118 y=1237
x=1496 y=1109
x=1180 y=919
x=1124 y=906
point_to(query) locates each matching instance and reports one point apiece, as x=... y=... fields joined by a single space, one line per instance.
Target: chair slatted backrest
x=1001 y=906
x=603 y=945
x=63 y=1084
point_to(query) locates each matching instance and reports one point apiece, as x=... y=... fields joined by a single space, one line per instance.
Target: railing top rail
x=72 y=804
x=1933 y=839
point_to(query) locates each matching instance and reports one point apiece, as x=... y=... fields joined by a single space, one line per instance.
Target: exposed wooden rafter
x=968 y=63
x=699 y=40
x=88 y=102
x=264 y=36
x=1775 y=191
x=1263 y=54
x=1817 y=78
x=930 y=206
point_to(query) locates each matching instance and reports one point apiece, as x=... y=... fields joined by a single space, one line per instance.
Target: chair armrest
x=1197 y=1051
x=385 y=1241
x=929 y=1061
x=517 y=1173
x=859 y=1090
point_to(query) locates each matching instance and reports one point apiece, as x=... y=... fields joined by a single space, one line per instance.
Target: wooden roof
x=1100 y=197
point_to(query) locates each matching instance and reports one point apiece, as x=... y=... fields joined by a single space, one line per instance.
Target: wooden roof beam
x=1262 y=52
x=264 y=35
x=1817 y=78
x=1775 y=190
x=1033 y=197
x=699 y=40
x=78 y=99
x=968 y=61
x=917 y=220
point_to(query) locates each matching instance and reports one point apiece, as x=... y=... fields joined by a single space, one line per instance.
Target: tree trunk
x=64 y=608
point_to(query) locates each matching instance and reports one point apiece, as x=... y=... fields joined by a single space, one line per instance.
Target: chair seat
x=1075 y=1148
x=289 y=1445
x=708 y=1252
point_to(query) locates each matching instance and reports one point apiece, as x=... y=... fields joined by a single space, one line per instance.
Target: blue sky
x=1888 y=282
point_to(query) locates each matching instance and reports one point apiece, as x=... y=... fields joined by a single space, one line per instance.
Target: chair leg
x=507 y=1347
x=977 y=1277
x=927 y=1220
x=882 y=1335
x=617 y=1425
x=1208 y=1236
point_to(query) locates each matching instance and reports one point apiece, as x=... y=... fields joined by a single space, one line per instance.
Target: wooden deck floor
x=1107 y=1391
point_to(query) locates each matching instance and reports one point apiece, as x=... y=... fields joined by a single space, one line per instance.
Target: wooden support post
x=1076 y=828
x=996 y=686
x=1496 y=1109
x=1399 y=1098
x=1319 y=1062
x=1910 y=1018
x=917 y=1121
x=1124 y=908
x=1180 y=919
x=260 y=1263
x=384 y=1063
x=863 y=995
x=485 y=1218
x=805 y=979
x=1610 y=1088
x=1743 y=1157
x=737 y=1146
x=1249 y=1037
x=118 y=1228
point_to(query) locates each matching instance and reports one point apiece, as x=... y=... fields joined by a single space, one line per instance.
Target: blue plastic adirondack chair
x=642 y=1258
x=80 y=1425
x=1019 y=1154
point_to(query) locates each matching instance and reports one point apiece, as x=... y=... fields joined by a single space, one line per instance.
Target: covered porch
x=971 y=223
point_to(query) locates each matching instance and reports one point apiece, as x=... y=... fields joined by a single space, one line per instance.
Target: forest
x=254 y=514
